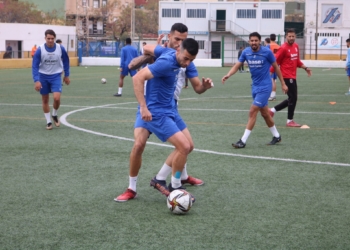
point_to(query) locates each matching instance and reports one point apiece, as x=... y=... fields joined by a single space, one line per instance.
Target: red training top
x=287 y=57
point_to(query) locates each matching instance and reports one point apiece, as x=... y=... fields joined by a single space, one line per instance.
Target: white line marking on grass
x=109 y=106
x=64 y=121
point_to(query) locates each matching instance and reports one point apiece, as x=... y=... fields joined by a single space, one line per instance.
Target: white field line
x=185 y=109
x=64 y=121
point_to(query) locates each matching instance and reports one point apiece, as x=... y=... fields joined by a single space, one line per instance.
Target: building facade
x=221 y=28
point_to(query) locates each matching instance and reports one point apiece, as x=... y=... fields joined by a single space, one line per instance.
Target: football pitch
x=57 y=187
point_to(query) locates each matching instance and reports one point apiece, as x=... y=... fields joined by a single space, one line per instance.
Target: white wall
x=31 y=34
x=98 y=61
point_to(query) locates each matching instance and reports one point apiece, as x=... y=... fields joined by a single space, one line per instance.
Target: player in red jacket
x=287 y=58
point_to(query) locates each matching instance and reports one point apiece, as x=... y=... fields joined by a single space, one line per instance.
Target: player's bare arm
x=200 y=87
x=232 y=71
x=280 y=77
x=148 y=49
x=138 y=83
x=137 y=62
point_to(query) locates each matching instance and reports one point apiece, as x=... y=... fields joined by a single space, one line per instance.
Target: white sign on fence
x=329 y=42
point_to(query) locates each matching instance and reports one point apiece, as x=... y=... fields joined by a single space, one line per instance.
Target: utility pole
x=316 y=34
x=132 y=30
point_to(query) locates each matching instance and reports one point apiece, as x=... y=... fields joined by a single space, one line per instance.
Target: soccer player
x=49 y=61
x=157 y=109
x=274 y=47
x=177 y=34
x=347 y=66
x=127 y=54
x=287 y=58
x=259 y=60
x=34 y=50
x=241 y=69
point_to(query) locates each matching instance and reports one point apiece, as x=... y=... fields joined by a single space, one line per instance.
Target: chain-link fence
x=102 y=48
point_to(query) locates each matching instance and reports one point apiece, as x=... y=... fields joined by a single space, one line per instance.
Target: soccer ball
x=179 y=201
x=103 y=80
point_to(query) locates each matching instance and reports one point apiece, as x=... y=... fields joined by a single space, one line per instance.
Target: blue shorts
x=348 y=72
x=163 y=127
x=261 y=98
x=51 y=86
x=127 y=71
x=274 y=76
x=179 y=122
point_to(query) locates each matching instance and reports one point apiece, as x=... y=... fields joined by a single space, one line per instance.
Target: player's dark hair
x=255 y=34
x=267 y=40
x=179 y=27
x=128 y=40
x=59 y=41
x=50 y=32
x=291 y=30
x=273 y=37
x=348 y=40
x=190 y=45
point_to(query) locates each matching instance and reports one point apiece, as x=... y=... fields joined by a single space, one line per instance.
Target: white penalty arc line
x=64 y=121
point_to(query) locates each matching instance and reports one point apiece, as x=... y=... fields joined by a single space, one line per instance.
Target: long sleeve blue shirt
x=37 y=60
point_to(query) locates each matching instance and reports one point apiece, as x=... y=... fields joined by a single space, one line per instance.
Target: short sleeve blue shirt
x=160 y=89
x=259 y=63
x=191 y=70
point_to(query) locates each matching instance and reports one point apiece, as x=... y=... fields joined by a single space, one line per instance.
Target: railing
x=227 y=26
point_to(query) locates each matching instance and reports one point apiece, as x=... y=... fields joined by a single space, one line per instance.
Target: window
x=246 y=13
x=99 y=27
x=171 y=12
x=201 y=44
x=272 y=14
x=84 y=3
x=96 y=4
x=104 y=3
x=196 y=13
x=329 y=34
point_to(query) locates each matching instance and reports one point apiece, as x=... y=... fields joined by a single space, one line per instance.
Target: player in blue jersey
x=347 y=64
x=157 y=110
x=259 y=59
x=159 y=181
x=127 y=54
x=49 y=60
x=177 y=35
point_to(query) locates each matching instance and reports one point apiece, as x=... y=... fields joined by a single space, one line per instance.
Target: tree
x=24 y=12
x=19 y=12
x=146 y=20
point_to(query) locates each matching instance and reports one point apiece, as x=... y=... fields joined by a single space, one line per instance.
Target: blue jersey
x=348 y=58
x=37 y=61
x=259 y=63
x=128 y=53
x=160 y=89
x=191 y=70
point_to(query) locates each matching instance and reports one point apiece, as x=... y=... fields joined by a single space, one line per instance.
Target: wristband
x=306 y=68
